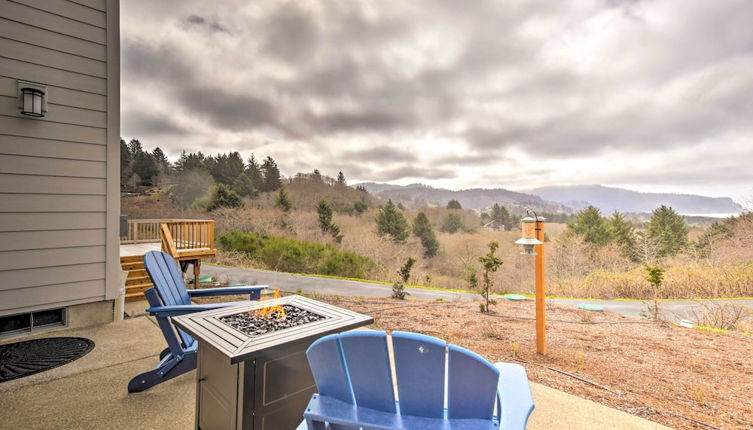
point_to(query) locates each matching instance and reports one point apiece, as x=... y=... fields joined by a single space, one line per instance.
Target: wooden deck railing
x=177 y=236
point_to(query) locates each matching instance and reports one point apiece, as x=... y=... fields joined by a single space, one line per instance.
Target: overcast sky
x=652 y=95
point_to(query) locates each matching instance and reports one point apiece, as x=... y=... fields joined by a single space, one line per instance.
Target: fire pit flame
x=277 y=310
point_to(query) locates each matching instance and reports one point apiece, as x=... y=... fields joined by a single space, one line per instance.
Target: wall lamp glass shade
x=32 y=103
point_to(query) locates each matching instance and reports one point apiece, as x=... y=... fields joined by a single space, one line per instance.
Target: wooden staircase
x=138 y=280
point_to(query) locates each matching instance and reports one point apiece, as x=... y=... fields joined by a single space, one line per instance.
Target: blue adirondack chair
x=170 y=298
x=353 y=375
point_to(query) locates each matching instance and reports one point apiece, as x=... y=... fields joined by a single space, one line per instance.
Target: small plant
x=491 y=264
x=439 y=300
x=472 y=281
x=580 y=360
x=515 y=345
x=699 y=395
x=491 y=334
x=283 y=201
x=655 y=277
x=398 y=288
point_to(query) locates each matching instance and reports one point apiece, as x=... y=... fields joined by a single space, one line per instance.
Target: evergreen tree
x=454 y=204
x=391 y=222
x=623 y=233
x=244 y=187
x=360 y=207
x=452 y=223
x=491 y=264
x=421 y=225
x=422 y=230
x=225 y=167
x=592 y=226
x=253 y=171
x=145 y=167
x=163 y=164
x=324 y=210
x=668 y=229
x=283 y=201
x=272 y=178
x=398 y=288
x=189 y=161
x=221 y=196
x=500 y=214
x=134 y=147
x=125 y=162
x=317 y=175
x=341 y=178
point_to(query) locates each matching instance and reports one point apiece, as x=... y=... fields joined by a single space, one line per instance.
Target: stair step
x=138 y=273
x=138 y=280
x=132 y=266
x=132 y=259
x=139 y=287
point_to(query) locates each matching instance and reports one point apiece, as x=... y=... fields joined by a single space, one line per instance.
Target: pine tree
x=190 y=161
x=668 y=228
x=253 y=171
x=145 y=166
x=592 y=226
x=391 y=222
x=163 y=164
x=623 y=233
x=244 y=187
x=422 y=230
x=452 y=223
x=454 y=204
x=283 y=201
x=398 y=288
x=272 y=178
x=341 y=178
x=324 y=210
x=500 y=214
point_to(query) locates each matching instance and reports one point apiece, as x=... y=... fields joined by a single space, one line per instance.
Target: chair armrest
x=514 y=393
x=253 y=290
x=177 y=310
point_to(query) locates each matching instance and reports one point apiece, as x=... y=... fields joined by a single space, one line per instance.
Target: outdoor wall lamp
x=32 y=99
x=533 y=244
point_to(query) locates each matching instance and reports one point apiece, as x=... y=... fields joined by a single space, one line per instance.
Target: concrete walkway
x=90 y=393
x=672 y=309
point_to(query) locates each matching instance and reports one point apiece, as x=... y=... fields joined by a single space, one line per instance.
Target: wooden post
x=540 y=290
x=196 y=272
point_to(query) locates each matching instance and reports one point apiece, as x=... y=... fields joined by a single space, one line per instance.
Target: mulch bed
x=682 y=378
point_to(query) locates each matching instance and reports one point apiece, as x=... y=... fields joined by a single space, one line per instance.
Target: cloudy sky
x=652 y=95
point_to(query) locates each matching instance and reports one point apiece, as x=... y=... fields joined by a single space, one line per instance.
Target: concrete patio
x=90 y=393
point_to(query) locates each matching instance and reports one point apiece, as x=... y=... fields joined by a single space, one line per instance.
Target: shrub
x=220 y=196
x=297 y=256
x=398 y=288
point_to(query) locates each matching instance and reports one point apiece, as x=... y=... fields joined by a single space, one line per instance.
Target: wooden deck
x=188 y=241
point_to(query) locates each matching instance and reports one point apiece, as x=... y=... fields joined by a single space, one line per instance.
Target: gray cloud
x=483 y=84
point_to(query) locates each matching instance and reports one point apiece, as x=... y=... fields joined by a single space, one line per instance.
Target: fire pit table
x=252 y=372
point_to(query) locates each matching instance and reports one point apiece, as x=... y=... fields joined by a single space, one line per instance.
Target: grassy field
x=574 y=268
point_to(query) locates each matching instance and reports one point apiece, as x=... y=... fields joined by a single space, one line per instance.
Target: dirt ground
x=682 y=378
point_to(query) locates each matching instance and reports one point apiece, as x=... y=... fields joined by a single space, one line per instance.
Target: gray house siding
x=59 y=175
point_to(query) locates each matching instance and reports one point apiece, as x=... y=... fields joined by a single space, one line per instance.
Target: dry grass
x=574 y=268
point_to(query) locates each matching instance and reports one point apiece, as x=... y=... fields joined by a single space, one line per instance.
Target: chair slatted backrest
x=354 y=367
x=419 y=367
x=168 y=281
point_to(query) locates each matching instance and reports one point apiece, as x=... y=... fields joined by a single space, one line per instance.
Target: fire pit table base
x=258 y=382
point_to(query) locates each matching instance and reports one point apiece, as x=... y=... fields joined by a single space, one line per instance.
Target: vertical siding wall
x=55 y=245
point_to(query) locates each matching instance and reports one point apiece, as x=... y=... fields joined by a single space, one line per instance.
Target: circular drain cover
x=26 y=358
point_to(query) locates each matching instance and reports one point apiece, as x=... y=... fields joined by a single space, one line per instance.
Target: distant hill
x=610 y=199
x=420 y=195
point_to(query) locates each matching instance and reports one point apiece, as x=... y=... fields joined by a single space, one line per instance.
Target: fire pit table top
x=208 y=327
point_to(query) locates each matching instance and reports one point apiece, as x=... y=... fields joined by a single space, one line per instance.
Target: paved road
x=673 y=310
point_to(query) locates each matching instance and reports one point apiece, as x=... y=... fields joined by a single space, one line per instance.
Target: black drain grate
x=33 y=356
